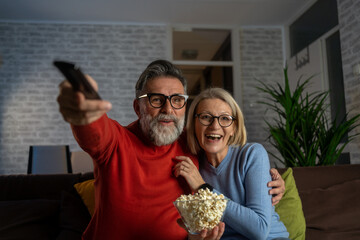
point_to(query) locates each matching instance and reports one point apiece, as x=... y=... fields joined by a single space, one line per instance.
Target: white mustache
x=166 y=117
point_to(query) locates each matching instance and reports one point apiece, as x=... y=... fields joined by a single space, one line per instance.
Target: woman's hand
x=215 y=234
x=278 y=186
x=187 y=169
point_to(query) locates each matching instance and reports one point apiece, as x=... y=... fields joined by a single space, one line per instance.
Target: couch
x=330 y=200
x=49 y=207
x=42 y=207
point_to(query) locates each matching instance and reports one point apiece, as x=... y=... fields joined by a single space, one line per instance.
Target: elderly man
x=134 y=183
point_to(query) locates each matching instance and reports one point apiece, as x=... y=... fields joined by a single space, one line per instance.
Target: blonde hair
x=239 y=137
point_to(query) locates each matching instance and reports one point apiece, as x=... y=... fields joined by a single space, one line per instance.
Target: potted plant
x=302 y=131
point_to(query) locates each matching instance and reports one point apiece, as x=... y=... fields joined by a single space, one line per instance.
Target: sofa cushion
x=29 y=219
x=87 y=192
x=333 y=211
x=324 y=176
x=290 y=208
x=317 y=234
x=32 y=186
x=74 y=216
x=66 y=234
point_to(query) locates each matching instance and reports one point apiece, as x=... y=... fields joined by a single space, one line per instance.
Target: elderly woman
x=231 y=166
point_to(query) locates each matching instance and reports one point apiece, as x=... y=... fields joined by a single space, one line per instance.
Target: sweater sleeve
x=96 y=137
x=252 y=218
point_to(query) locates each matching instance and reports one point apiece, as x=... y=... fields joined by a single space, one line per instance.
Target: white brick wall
x=261 y=57
x=349 y=21
x=114 y=55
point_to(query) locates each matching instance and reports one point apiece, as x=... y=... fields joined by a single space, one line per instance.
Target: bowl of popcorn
x=202 y=210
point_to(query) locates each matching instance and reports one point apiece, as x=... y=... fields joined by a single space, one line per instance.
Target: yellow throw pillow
x=87 y=192
x=290 y=208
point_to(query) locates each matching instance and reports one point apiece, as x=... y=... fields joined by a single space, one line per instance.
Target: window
x=205 y=58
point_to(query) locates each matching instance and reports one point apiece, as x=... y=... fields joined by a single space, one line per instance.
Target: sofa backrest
x=33 y=186
x=308 y=178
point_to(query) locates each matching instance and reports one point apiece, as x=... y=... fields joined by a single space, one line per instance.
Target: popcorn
x=203 y=210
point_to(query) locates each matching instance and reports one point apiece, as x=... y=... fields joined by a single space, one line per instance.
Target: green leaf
x=301 y=132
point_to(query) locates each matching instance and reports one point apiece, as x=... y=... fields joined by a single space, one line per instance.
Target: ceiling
x=213 y=12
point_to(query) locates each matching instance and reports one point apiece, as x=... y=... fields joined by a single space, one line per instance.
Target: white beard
x=158 y=134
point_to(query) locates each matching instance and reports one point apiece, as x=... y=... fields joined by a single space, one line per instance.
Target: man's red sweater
x=134 y=183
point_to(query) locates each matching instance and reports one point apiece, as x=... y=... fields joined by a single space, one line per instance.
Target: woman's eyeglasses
x=207 y=119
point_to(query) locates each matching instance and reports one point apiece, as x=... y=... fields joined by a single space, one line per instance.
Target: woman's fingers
x=185 y=161
x=187 y=169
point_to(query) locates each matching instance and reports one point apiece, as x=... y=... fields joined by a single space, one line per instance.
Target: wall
x=349 y=22
x=114 y=55
x=261 y=57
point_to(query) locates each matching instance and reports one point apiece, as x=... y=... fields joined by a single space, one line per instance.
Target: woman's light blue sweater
x=242 y=177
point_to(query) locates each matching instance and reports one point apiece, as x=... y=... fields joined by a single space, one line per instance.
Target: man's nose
x=167 y=108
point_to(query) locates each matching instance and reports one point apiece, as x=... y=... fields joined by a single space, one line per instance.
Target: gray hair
x=156 y=69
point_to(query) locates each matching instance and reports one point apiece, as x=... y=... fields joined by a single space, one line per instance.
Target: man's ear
x=136 y=107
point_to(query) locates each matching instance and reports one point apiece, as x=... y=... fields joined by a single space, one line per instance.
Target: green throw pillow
x=290 y=208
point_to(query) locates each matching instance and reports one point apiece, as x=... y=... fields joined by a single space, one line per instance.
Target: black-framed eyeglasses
x=157 y=100
x=207 y=119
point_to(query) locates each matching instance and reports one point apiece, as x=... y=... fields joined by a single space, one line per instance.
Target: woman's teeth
x=213 y=136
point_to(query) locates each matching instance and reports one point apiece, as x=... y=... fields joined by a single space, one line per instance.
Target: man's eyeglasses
x=157 y=100
x=207 y=119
